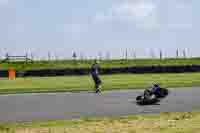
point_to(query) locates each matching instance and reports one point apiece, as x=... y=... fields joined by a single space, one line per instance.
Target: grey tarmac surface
x=54 y=106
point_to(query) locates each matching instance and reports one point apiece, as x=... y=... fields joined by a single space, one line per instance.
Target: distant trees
x=108 y=55
x=101 y=55
x=74 y=55
x=160 y=54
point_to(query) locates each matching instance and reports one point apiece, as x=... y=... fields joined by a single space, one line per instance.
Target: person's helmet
x=96 y=61
x=155 y=85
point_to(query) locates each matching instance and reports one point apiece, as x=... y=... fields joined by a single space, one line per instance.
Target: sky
x=97 y=27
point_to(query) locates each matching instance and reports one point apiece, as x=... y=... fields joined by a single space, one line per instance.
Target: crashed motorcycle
x=151 y=98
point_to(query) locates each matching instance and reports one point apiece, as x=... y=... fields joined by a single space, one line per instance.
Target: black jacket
x=95 y=70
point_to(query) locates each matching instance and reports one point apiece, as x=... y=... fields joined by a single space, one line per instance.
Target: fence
x=24 y=58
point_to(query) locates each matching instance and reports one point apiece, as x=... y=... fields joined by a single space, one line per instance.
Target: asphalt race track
x=53 y=106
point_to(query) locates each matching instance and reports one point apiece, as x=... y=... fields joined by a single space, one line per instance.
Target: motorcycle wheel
x=148 y=101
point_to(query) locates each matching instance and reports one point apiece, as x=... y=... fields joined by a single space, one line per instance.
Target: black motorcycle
x=151 y=98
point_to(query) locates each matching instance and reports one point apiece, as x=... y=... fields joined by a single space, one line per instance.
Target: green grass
x=104 y=63
x=85 y=83
x=187 y=122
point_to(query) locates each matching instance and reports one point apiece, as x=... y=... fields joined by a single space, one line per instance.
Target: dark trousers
x=97 y=81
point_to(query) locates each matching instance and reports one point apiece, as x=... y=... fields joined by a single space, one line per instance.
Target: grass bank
x=104 y=63
x=162 y=123
x=85 y=83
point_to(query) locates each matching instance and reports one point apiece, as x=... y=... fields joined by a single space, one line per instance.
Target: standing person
x=95 y=76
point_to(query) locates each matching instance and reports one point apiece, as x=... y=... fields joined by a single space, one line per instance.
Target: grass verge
x=85 y=83
x=187 y=122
